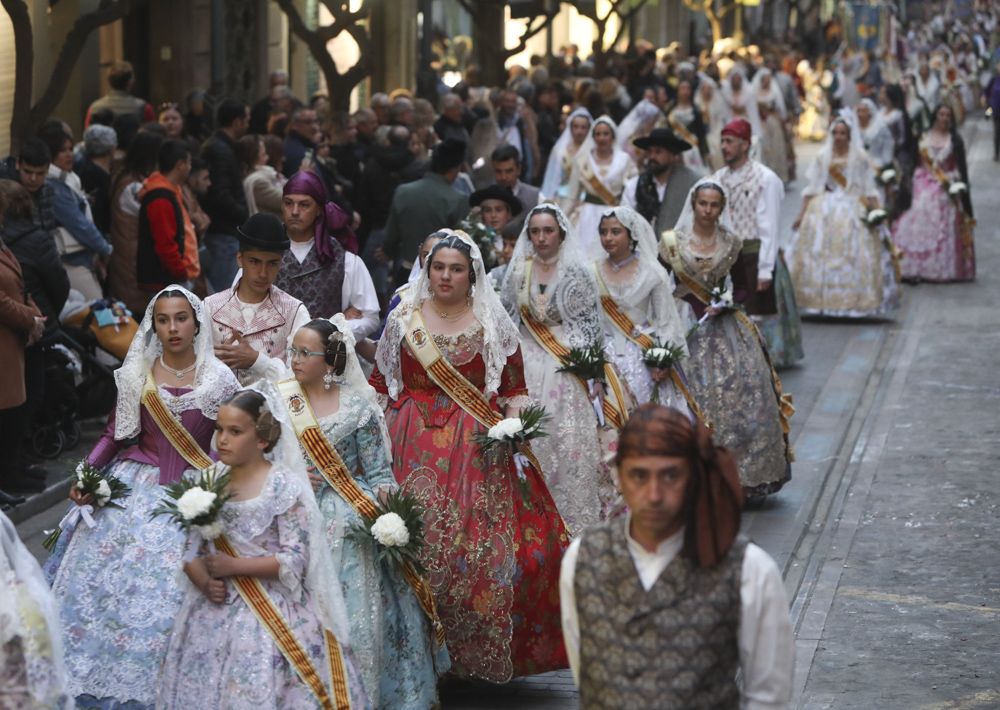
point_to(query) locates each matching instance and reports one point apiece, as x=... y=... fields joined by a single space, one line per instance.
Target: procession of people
x=499 y=421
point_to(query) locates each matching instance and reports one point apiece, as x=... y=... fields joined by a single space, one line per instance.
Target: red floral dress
x=494 y=539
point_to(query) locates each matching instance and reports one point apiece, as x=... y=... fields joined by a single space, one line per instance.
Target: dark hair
x=551 y=211
x=230 y=111
x=15 y=199
x=399 y=136
x=143 y=155
x=126 y=125
x=709 y=186
x=34 y=152
x=172 y=152
x=102 y=117
x=934 y=113
x=247 y=151
x=198 y=164
x=176 y=293
x=266 y=426
x=335 y=350
x=120 y=75
x=504 y=153
x=452 y=242
x=633 y=242
x=275 y=148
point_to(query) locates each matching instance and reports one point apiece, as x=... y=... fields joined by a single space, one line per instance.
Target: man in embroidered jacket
x=253 y=321
x=660 y=609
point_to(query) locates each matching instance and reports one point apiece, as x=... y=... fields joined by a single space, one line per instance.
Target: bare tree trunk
x=24 y=61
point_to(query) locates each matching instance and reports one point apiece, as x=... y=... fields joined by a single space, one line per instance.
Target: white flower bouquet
x=588 y=364
x=663 y=355
x=106 y=490
x=887 y=176
x=397 y=529
x=876 y=217
x=957 y=188
x=513 y=431
x=195 y=505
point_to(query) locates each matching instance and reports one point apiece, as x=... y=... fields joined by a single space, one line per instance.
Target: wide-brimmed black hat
x=263 y=232
x=664 y=138
x=497 y=192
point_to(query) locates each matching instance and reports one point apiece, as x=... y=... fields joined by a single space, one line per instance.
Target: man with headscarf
x=755 y=195
x=659 y=192
x=662 y=607
x=253 y=321
x=318 y=269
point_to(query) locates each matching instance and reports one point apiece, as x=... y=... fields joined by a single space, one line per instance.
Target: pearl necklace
x=618 y=266
x=179 y=374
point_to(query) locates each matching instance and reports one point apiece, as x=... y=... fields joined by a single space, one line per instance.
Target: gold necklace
x=452 y=316
x=547 y=265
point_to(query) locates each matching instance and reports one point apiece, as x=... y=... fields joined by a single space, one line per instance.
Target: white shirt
x=358 y=290
x=265 y=367
x=768 y=213
x=767 y=649
x=628 y=194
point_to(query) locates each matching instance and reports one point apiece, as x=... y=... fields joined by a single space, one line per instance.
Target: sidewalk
x=903 y=611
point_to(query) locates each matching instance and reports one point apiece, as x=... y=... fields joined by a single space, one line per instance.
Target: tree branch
x=24 y=60
x=626 y=19
x=528 y=33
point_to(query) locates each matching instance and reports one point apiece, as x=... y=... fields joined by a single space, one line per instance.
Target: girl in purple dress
x=118 y=582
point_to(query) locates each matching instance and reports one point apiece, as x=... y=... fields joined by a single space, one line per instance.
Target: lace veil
x=29 y=612
x=745 y=99
x=500 y=337
x=638 y=122
x=772 y=93
x=322 y=583
x=553 y=170
x=211 y=380
x=573 y=288
x=860 y=178
x=685 y=223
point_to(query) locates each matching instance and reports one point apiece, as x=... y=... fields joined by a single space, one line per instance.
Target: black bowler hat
x=263 y=232
x=664 y=138
x=497 y=192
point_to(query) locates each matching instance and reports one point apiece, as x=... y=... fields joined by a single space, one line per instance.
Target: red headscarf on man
x=332 y=220
x=713 y=501
x=739 y=127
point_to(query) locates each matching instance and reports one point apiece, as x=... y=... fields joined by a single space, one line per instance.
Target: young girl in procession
x=600 y=171
x=449 y=364
x=638 y=309
x=117 y=581
x=270 y=592
x=842 y=266
x=555 y=184
x=392 y=637
x=936 y=234
x=552 y=295
x=728 y=371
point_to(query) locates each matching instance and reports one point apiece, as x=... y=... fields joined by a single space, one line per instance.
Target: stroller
x=80 y=358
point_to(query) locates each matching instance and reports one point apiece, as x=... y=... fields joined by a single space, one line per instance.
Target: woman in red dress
x=494 y=538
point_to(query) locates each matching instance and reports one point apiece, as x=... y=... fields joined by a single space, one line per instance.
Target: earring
x=328 y=380
x=472 y=291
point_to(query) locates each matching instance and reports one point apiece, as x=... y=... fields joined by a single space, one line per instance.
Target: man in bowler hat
x=660 y=191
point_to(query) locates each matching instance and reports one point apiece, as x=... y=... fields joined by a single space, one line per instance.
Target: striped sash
x=179 y=437
x=327 y=460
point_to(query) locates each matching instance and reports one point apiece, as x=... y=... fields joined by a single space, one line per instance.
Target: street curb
x=40 y=502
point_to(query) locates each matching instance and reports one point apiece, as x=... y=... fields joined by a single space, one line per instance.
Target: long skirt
x=783 y=332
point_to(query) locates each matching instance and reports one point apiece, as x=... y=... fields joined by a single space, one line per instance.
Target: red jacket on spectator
x=167 y=244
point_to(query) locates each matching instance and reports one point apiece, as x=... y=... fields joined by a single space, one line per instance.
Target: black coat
x=45 y=279
x=386 y=169
x=225 y=202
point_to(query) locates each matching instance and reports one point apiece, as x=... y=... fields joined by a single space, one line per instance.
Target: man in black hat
x=253 y=321
x=659 y=193
x=424 y=206
x=497 y=206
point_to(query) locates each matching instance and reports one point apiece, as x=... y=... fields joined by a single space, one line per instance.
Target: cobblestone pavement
x=885 y=534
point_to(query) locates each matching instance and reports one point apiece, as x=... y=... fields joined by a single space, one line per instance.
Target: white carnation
x=888 y=175
x=195 y=502
x=390 y=530
x=657 y=353
x=210 y=531
x=505 y=429
x=957 y=187
x=103 y=492
x=876 y=215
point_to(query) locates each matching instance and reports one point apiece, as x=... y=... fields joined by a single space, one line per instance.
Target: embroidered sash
x=786 y=408
x=967 y=224
x=680 y=129
x=615 y=411
x=629 y=329
x=270 y=617
x=838 y=176
x=327 y=460
x=598 y=188
x=179 y=437
x=465 y=394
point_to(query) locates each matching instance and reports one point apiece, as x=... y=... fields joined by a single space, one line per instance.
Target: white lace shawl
x=877 y=137
x=321 y=581
x=859 y=174
x=573 y=288
x=500 y=336
x=30 y=612
x=554 y=168
x=685 y=223
x=213 y=381
x=772 y=94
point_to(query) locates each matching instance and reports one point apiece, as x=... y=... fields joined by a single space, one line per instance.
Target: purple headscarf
x=332 y=219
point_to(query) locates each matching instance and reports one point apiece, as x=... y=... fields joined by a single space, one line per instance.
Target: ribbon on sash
x=327 y=460
x=614 y=408
x=680 y=129
x=179 y=437
x=270 y=617
x=597 y=188
x=786 y=409
x=630 y=330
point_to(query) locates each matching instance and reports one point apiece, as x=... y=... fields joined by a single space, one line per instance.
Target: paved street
x=886 y=534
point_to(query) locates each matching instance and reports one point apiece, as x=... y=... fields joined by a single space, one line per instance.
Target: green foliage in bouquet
x=586 y=363
x=106 y=490
x=525 y=427
x=196 y=502
x=397 y=528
